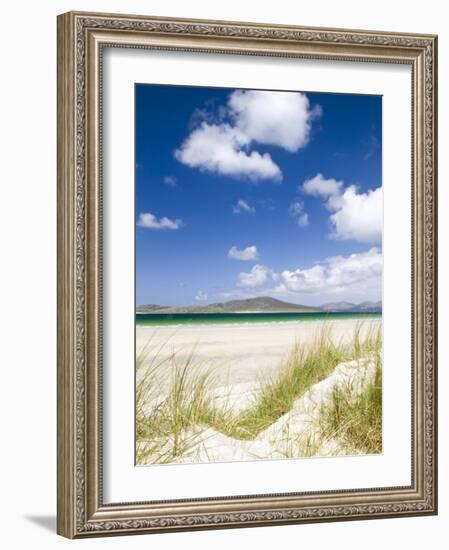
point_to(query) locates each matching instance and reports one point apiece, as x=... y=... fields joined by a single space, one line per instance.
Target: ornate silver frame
x=81 y=38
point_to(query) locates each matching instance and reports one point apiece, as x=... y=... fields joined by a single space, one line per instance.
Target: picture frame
x=82 y=40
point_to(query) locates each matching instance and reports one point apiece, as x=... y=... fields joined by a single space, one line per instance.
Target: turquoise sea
x=164 y=319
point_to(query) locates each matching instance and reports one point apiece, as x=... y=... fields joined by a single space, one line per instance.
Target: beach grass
x=162 y=434
x=304 y=367
x=168 y=428
x=356 y=422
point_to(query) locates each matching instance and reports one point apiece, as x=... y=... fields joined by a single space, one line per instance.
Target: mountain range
x=368 y=307
x=263 y=304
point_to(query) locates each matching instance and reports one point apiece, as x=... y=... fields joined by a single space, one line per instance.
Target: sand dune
x=240 y=359
x=294 y=428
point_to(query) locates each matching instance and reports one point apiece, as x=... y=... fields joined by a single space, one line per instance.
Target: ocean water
x=167 y=319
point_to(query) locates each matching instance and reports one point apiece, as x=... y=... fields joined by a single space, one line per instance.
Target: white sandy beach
x=240 y=353
x=241 y=356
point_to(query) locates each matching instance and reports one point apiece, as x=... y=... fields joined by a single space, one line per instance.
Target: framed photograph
x=247 y=321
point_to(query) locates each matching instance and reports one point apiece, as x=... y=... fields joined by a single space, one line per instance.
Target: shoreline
x=251 y=324
x=210 y=322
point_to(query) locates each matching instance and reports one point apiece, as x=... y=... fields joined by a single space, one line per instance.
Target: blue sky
x=244 y=193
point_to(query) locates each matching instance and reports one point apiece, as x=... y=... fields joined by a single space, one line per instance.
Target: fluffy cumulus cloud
x=219 y=148
x=297 y=211
x=355 y=216
x=259 y=275
x=249 y=253
x=319 y=186
x=356 y=274
x=150 y=221
x=356 y=277
x=282 y=119
x=243 y=207
x=201 y=296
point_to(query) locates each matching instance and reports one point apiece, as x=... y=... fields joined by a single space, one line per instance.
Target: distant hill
x=364 y=307
x=263 y=304
x=150 y=308
x=338 y=306
x=250 y=305
x=369 y=307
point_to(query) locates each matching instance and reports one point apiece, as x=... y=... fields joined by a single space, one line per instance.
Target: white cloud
x=150 y=221
x=358 y=275
x=245 y=254
x=170 y=181
x=220 y=149
x=356 y=216
x=243 y=207
x=273 y=118
x=282 y=119
x=355 y=278
x=319 y=186
x=201 y=296
x=258 y=276
x=297 y=211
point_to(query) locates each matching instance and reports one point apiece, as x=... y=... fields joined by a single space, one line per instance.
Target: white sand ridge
x=297 y=426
